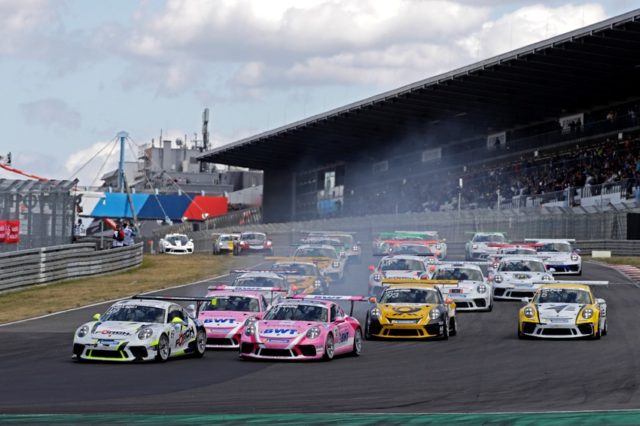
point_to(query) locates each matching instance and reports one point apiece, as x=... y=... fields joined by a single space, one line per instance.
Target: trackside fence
x=45 y=265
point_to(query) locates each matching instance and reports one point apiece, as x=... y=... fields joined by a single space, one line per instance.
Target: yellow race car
x=564 y=310
x=411 y=309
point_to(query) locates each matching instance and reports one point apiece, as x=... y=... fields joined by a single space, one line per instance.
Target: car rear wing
x=463 y=262
x=269 y=271
x=485 y=232
x=551 y=240
x=245 y=288
x=172 y=298
x=573 y=282
x=352 y=299
x=399 y=281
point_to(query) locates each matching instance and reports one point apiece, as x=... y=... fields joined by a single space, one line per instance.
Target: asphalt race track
x=485 y=368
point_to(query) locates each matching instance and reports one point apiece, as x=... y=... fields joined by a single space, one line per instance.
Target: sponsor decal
x=343 y=336
x=115 y=332
x=279 y=331
x=183 y=337
x=406 y=309
x=217 y=321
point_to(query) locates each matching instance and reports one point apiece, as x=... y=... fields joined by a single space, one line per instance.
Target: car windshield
x=297 y=312
x=316 y=252
x=459 y=274
x=402 y=265
x=493 y=238
x=225 y=238
x=416 y=237
x=410 y=295
x=325 y=241
x=522 y=266
x=554 y=248
x=232 y=303
x=253 y=237
x=175 y=239
x=518 y=251
x=413 y=249
x=259 y=282
x=134 y=313
x=295 y=269
x=562 y=295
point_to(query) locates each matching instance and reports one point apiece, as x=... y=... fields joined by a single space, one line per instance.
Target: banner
x=3 y=230
x=12 y=232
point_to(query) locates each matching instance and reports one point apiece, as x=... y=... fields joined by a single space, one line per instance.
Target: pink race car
x=303 y=327
x=226 y=311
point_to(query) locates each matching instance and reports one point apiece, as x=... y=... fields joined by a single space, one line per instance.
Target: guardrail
x=39 y=266
x=617 y=247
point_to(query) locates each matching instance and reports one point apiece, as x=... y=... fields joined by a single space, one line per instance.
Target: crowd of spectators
x=606 y=163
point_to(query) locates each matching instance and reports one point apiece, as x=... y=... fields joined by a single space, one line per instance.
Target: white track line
x=121 y=298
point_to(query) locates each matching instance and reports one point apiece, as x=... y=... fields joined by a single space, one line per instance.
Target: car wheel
x=357 y=343
x=605 y=328
x=163 y=349
x=200 y=344
x=453 y=326
x=367 y=330
x=329 y=348
x=445 y=332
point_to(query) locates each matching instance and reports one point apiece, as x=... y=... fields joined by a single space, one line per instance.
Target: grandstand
x=554 y=122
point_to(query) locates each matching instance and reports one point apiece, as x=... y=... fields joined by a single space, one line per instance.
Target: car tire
x=453 y=326
x=357 y=342
x=329 y=348
x=367 y=330
x=445 y=333
x=200 y=344
x=164 y=349
x=605 y=328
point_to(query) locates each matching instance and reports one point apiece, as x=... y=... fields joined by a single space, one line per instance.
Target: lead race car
x=564 y=310
x=411 y=309
x=305 y=327
x=560 y=257
x=518 y=276
x=140 y=329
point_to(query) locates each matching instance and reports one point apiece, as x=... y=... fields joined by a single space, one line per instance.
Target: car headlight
x=355 y=248
x=145 y=333
x=498 y=278
x=575 y=257
x=250 y=330
x=435 y=314
x=438 y=246
x=529 y=312
x=249 y=321
x=313 y=332
x=377 y=277
x=376 y=313
x=482 y=288
x=546 y=278
x=475 y=246
x=587 y=313
x=82 y=331
x=317 y=284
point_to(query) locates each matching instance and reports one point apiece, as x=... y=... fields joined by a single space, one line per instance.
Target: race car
x=347 y=243
x=253 y=242
x=396 y=266
x=511 y=250
x=225 y=243
x=175 y=244
x=329 y=261
x=561 y=258
x=483 y=244
x=411 y=309
x=305 y=327
x=303 y=277
x=226 y=310
x=564 y=310
x=471 y=292
x=272 y=285
x=384 y=242
x=413 y=249
x=518 y=276
x=140 y=330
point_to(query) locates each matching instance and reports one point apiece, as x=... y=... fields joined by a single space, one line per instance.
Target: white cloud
x=90 y=164
x=50 y=112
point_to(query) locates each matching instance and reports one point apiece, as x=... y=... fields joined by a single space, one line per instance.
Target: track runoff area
x=484 y=371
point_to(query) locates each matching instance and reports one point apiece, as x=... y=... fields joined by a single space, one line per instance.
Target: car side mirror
x=96 y=317
x=448 y=301
x=525 y=300
x=339 y=320
x=373 y=299
x=600 y=301
x=191 y=310
x=372 y=268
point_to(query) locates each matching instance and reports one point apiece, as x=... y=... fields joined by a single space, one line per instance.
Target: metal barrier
x=38 y=266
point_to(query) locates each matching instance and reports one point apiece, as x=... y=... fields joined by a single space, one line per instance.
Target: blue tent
x=116 y=205
x=159 y=206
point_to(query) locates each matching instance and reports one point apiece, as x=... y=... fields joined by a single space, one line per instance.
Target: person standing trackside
x=118 y=237
x=129 y=234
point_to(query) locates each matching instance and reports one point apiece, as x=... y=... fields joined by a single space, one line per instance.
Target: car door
x=344 y=330
x=183 y=331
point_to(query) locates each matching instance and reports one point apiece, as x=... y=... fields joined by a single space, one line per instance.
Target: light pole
x=459 y=194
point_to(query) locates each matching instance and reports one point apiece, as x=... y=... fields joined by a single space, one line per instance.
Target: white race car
x=396 y=266
x=518 y=276
x=330 y=262
x=176 y=244
x=560 y=257
x=483 y=244
x=140 y=330
x=472 y=292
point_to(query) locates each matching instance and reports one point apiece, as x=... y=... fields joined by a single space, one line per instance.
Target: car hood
x=402 y=274
x=556 y=257
x=284 y=329
x=405 y=310
x=225 y=319
x=118 y=329
x=558 y=310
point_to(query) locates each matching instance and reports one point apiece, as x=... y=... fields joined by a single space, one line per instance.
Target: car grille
x=498 y=292
x=522 y=293
x=220 y=341
x=480 y=303
x=400 y=332
x=586 y=328
x=139 y=352
x=556 y=332
x=284 y=353
x=77 y=349
x=307 y=350
x=528 y=327
x=247 y=348
x=98 y=353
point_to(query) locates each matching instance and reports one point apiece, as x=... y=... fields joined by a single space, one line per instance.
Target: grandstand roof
x=589 y=66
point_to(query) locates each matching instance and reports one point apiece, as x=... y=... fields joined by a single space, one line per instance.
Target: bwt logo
x=219 y=321
x=289 y=331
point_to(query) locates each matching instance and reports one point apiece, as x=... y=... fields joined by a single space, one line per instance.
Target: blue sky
x=74 y=73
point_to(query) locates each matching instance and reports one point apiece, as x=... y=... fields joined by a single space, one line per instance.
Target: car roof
x=324 y=246
x=403 y=256
x=319 y=303
x=253 y=232
x=295 y=263
x=145 y=302
x=458 y=265
x=517 y=258
x=226 y=293
x=258 y=274
x=175 y=235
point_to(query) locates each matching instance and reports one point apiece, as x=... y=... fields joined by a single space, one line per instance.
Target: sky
x=74 y=73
